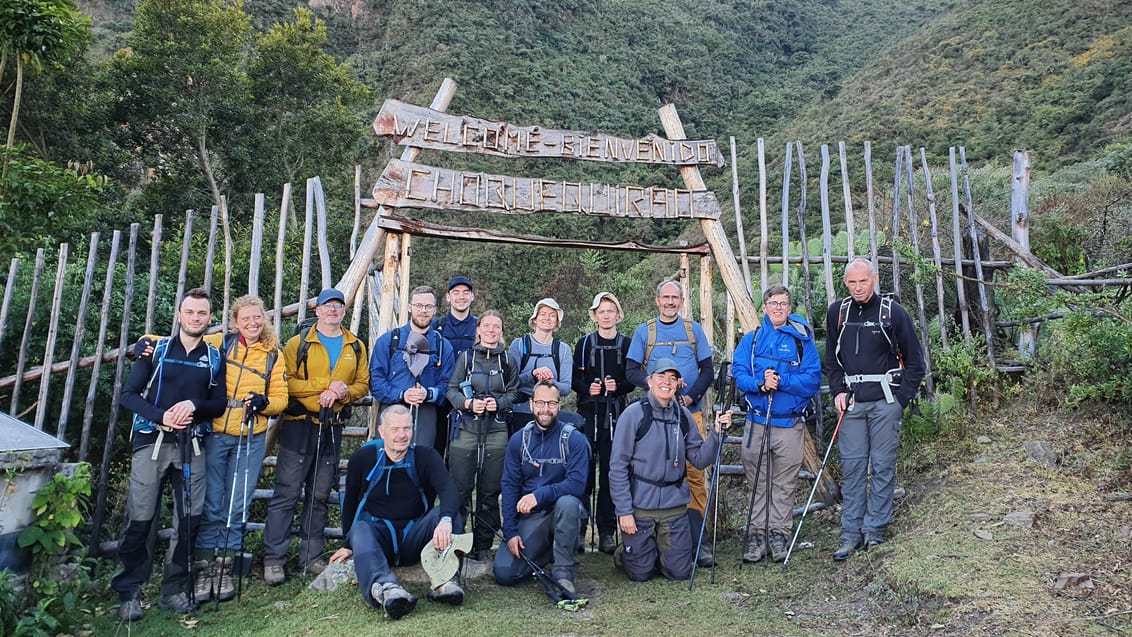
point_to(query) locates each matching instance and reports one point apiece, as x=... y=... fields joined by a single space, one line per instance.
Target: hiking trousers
x=376 y=550
x=482 y=473
x=868 y=441
x=785 y=461
x=550 y=537
x=663 y=541
x=223 y=514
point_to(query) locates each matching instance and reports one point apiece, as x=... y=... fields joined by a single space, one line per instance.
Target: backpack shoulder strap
x=691 y=332
x=524 y=351
x=564 y=441
x=301 y=355
x=646 y=419
x=650 y=343
x=556 y=355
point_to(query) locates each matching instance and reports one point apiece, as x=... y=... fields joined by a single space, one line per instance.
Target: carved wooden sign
x=421 y=127
x=410 y=185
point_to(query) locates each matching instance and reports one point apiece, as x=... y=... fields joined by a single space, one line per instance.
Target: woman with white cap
x=541 y=357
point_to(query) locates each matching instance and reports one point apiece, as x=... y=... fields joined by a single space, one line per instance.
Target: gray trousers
x=301 y=471
x=869 y=440
x=550 y=537
x=785 y=460
x=663 y=540
x=478 y=469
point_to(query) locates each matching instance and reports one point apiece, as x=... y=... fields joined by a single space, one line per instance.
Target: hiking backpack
x=555 y=346
x=651 y=342
x=160 y=352
x=563 y=446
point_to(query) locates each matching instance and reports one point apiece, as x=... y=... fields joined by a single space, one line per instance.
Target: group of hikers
x=473 y=440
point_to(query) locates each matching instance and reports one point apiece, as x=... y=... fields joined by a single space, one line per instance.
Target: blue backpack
x=374 y=478
x=160 y=353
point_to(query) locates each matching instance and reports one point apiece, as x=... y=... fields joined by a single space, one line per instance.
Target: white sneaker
x=449 y=592
x=395 y=600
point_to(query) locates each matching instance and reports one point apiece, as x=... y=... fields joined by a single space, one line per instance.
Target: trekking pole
x=758 y=469
x=767 y=448
x=557 y=593
x=244 y=510
x=729 y=404
x=813 y=489
x=243 y=450
x=324 y=419
x=187 y=504
x=703 y=526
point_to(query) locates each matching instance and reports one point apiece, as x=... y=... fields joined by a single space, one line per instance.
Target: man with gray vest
x=875 y=365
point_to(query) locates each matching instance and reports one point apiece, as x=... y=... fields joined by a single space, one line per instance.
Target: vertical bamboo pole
x=872 y=204
x=304 y=277
x=914 y=234
x=182 y=271
x=764 y=266
x=685 y=278
x=257 y=245
x=895 y=231
x=226 y=222
x=807 y=284
x=1020 y=232
x=77 y=341
x=52 y=334
x=937 y=260
x=13 y=269
x=357 y=211
x=404 y=273
x=984 y=304
x=375 y=286
x=115 y=401
x=154 y=258
x=848 y=197
x=707 y=313
x=957 y=247
x=739 y=215
x=279 y=257
x=827 y=227
x=210 y=251
x=21 y=358
x=99 y=345
x=323 y=246
x=786 y=214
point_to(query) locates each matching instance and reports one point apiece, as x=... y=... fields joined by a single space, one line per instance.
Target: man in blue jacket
x=392 y=381
x=875 y=365
x=544 y=481
x=778 y=369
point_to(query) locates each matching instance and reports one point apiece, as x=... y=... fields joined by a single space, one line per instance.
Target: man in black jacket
x=388 y=515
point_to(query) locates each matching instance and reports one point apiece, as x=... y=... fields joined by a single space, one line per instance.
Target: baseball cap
x=548 y=302
x=459 y=280
x=602 y=296
x=667 y=365
x=330 y=294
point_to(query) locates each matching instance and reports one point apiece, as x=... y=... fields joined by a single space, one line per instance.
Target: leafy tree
x=42 y=203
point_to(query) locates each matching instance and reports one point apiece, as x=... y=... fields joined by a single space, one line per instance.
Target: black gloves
x=256 y=402
x=141 y=347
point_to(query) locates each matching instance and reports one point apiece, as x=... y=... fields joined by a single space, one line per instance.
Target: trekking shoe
x=846 y=549
x=581 y=545
x=222 y=581
x=202 y=587
x=707 y=558
x=755 y=549
x=777 y=546
x=567 y=585
x=178 y=603
x=873 y=540
x=449 y=592
x=394 y=600
x=619 y=556
x=274 y=574
x=481 y=555
x=130 y=611
x=316 y=567
x=606 y=544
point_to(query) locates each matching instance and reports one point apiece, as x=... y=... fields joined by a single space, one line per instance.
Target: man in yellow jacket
x=327 y=369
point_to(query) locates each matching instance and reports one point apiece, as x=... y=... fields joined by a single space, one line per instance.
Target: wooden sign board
x=410 y=185
x=421 y=127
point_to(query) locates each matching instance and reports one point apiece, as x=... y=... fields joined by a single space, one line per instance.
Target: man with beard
x=392 y=381
x=174 y=395
x=544 y=481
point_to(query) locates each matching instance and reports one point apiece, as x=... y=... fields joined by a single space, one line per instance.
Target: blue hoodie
x=799 y=370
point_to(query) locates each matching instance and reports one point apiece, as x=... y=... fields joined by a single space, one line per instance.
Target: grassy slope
x=934 y=575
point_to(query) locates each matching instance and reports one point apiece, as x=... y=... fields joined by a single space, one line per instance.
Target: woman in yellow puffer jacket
x=233 y=455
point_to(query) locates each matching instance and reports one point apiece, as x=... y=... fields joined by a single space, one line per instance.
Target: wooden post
x=707 y=313
x=279 y=245
x=403 y=273
x=115 y=401
x=848 y=197
x=713 y=230
x=182 y=271
x=21 y=357
x=357 y=211
x=827 y=227
x=304 y=276
x=388 y=282
x=914 y=234
x=1020 y=232
x=99 y=345
x=154 y=257
x=897 y=179
x=8 y=286
x=786 y=214
x=957 y=247
x=210 y=253
x=77 y=341
x=323 y=245
x=936 y=258
x=871 y=196
x=685 y=279
x=807 y=284
x=764 y=267
x=984 y=304
x=52 y=333
x=257 y=246
x=228 y=247
x=739 y=216
x=730 y=322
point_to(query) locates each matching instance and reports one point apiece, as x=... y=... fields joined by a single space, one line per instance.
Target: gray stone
x=982 y=440
x=1066 y=580
x=980 y=517
x=1041 y=451
x=333 y=576
x=1021 y=519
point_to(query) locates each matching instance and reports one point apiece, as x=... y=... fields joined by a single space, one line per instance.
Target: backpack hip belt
x=886 y=380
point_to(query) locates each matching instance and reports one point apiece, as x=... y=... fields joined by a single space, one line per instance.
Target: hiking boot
x=606 y=544
x=274 y=574
x=755 y=549
x=449 y=592
x=481 y=555
x=846 y=549
x=707 y=558
x=178 y=603
x=873 y=540
x=202 y=586
x=130 y=611
x=567 y=585
x=394 y=600
x=316 y=567
x=777 y=546
x=222 y=581
x=581 y=545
